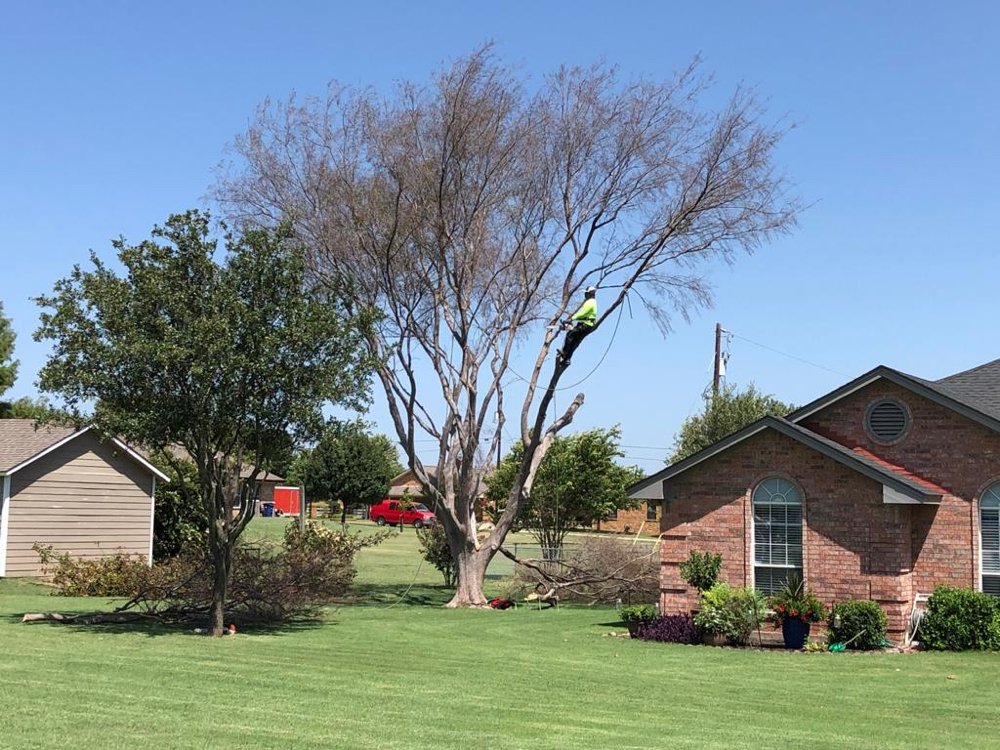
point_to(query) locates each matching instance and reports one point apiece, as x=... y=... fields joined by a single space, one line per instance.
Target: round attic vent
x=887 y=420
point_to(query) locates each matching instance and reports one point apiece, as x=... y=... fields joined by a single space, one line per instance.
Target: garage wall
x=86 y=498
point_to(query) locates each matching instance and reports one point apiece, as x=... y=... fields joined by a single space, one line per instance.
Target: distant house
x=71 y=490
x=645 y=520
x=882 y=489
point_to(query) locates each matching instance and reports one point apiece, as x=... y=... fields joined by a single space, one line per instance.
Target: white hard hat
x=591 y=290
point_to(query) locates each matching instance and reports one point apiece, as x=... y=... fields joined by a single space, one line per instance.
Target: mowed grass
x=396 y=672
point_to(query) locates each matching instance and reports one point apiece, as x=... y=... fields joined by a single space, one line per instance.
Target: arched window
x=777 y=533
x=989 y=538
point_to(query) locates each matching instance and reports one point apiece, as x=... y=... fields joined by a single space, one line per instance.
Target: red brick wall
x=854 y=545
x=940 y=445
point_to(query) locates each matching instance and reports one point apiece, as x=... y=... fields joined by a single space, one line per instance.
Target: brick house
x=645 y=518
x=881 y=489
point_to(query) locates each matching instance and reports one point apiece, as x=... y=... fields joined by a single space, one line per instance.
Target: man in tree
x=579 y=325
x=725 y=412
x=221 y=360
x=470 y=212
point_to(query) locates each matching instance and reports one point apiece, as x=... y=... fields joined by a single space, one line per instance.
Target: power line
x=786 y=354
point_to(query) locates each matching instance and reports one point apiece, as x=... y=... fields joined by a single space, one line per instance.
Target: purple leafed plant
x=670 y=629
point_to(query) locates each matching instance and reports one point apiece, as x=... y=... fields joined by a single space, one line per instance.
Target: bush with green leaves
x=860 y=624
x=637 y=615
x=112 y=576
x=960 y=619
x=734 y=613
x=435 y=550
x=701 y=570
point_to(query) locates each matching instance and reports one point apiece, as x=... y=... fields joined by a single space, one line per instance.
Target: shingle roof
x=20 y=440
x=978 y=387
x=972 y=394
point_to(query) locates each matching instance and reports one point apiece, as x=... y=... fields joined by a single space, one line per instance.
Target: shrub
x=669 y=629
x=796 y=601
x=858 y=624
x=637 y=615
x=734 y=613
x=114 y=576
x=960 y=619
x=313 y=567
x=701 y=570
x=435 y=550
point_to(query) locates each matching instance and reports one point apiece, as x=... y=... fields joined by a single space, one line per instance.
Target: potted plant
x=795 y=608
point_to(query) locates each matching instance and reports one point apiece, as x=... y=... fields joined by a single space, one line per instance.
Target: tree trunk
x=222 y=562
x=470 y=572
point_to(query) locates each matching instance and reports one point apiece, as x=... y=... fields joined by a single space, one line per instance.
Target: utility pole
x=718 y=360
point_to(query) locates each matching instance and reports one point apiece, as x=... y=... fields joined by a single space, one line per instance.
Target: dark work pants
x=574 y=336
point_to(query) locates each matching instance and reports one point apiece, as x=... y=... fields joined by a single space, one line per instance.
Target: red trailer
x=286 y=500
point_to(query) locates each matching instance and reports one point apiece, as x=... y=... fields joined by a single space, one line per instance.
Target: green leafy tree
x=37 y=409
x=179 y=519
x=578 y=482
x=726 y=412
x=347 y=464
x=221 y=356
x=8 y=365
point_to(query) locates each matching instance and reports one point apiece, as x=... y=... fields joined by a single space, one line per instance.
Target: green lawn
x=399 y=673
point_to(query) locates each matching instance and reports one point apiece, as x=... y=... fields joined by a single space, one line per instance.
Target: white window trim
x=753 y=533
x=979 y=525
x=152 y=518
x=4 y=523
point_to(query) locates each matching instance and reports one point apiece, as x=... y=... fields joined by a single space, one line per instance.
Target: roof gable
x=22 y=442
x=900 y=482
x=946 y=394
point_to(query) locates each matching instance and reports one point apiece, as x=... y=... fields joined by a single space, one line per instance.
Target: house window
x=612 y=515
x=650 y=511
x=989 y=538
x=777 y=533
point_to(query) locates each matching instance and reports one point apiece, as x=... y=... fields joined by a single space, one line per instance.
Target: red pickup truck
x=395 y=512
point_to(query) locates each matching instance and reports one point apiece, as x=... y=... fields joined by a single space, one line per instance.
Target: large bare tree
x=472 y=211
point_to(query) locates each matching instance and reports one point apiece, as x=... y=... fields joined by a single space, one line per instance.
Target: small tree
x=179 y=520
x=701 y=570
x=435 y=550
x=8 y=365
x=221 y=358
x=578 y=483
x=726 y=412
x=37 y=409
x=347 y=464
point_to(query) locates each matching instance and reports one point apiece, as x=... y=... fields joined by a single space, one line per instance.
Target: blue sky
x=114 y=115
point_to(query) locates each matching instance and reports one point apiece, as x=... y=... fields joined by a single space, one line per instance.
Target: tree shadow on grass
x=381 y=594
x=195 y=627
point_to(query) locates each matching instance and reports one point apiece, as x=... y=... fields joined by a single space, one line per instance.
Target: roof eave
x=903 y=380
x=801 y=435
